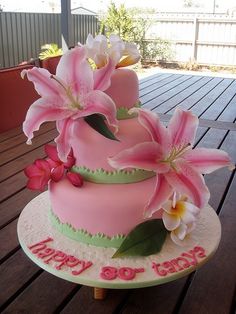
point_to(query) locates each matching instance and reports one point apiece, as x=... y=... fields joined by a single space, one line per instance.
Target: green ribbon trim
x=83 y=236
x=113 y=177
x=122 y=112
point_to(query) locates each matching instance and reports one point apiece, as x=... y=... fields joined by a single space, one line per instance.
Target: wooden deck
x=210 y=290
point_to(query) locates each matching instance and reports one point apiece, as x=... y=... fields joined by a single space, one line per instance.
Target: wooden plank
x=201 y=106
x=229 y=114
x=159 y=99
x=12 y=207
x=21 y=138
x=183 y=95
x=84 y=301
x=159 y=299
x=21 y=162
x=155 y=80
x=23 y=148
x=150 y=78
x=222 y=266
x=9 y=241
x=157 y=85
x=14 y=275
x=43 y=295
x=220 y=105
x=11 y=133
x=12 y=185
x=205 y=123
x=220 y=272
x=198 y=95
x=164 y=89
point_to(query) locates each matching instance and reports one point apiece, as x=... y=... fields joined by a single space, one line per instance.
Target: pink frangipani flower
x=170 y=154
x=39 y=174
x=76 y=91
x=42 y=171
x=58 y=167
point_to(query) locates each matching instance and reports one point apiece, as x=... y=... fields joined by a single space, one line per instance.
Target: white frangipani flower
x=99 y=49
x=179 y=217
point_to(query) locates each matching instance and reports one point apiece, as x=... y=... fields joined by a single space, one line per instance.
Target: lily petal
x=151 y=122
x=66 y=129
x=142 y=156
x=182 y=127
x=171 y=222
x=161 y=194
x=186 y=180
x=207 y=160
x=41 y=111
x=75 y=71
x=99 y=102
x=43 y=83
x=102 y=76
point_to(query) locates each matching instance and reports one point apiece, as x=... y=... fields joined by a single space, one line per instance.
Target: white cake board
x=34 y=226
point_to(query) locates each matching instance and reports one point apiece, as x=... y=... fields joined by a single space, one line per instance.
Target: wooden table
x=210 y=290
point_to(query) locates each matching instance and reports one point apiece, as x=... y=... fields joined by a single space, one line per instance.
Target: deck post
x=66 y=25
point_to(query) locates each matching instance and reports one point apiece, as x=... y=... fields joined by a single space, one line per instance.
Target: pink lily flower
x=178 y=166
x=76 y=91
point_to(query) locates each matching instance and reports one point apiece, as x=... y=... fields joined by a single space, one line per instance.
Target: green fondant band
x=113 y=177
x=122 y=112
x=83 y=236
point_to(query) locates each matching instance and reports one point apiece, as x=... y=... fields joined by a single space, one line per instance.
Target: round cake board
x=94 y=266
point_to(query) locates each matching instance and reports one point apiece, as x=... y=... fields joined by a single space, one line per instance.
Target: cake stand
x=94 y=266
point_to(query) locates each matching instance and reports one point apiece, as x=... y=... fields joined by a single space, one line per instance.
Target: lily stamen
x=74 y=103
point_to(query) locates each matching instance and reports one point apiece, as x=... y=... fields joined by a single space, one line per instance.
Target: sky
x=98 y=5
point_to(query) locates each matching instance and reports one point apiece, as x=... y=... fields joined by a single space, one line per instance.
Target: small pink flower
x=39 y=174
x=57 y=166
x=53 y=169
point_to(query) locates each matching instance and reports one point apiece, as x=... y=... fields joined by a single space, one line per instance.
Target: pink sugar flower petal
x=182 y=127
x=161 y=193
x=207 y=160
x=188 y=181
x=145 y=156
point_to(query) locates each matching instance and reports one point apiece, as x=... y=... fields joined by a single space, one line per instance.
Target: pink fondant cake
x=109 y=209
x=116 y=174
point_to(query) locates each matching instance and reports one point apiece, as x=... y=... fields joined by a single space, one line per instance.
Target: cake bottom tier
x=99 y=214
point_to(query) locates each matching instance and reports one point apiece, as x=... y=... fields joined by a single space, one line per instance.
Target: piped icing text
x=62 y=261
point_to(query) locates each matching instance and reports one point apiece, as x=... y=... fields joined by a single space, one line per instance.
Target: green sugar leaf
x=97 y=122
x=145 y=239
